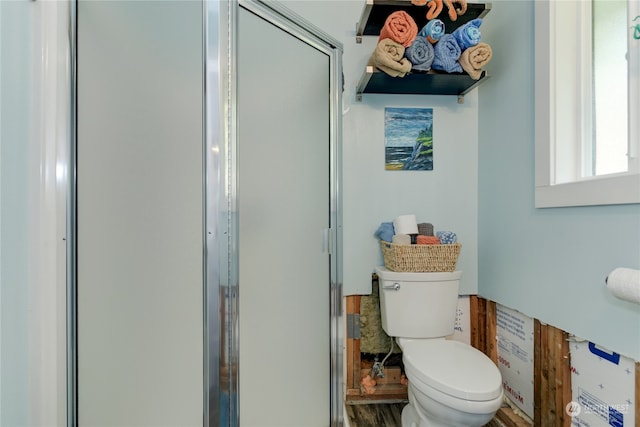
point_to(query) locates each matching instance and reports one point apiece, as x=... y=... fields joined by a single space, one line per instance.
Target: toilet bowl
x=450 y=384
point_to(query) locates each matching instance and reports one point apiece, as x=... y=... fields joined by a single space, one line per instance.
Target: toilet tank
x=418 y=305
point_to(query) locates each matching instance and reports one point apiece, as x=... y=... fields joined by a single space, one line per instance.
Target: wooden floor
x=375 y=415
x=383 y=415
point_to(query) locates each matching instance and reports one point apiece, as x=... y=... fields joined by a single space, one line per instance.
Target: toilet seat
x=453 y=368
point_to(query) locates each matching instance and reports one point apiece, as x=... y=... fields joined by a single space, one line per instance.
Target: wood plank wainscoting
x=552 y=373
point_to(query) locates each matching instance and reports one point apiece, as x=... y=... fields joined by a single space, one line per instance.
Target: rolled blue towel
x=468 y=34
x=385 y=232
x=433 y=31
x=420 y=54
x=447 y=52
x=447 y=237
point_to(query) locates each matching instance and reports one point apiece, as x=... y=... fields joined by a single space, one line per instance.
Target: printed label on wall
x=462 y=327
x=602 y=386
x=515 y=356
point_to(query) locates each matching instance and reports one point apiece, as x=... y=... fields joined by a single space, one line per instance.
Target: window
x=587 y=94
x=610 y=106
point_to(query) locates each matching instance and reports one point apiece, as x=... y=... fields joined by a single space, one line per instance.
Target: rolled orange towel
x=427 y=240
x=475 y=58
x=399 y=27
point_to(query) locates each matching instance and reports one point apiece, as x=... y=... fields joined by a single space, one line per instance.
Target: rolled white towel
x=401 y=239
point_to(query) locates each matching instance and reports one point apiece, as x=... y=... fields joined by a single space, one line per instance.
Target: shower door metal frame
x=221 y=227
x=72 y=203
x=220 y=239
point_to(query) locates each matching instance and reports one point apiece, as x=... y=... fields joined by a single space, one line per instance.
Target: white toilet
x=450 y=383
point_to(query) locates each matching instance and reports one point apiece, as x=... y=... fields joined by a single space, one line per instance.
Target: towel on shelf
x=420 y=54
x=425 y=229
x=401 y=239
x=447 y=237
x=468 y=35
x=427 y=240
x=433 y=31
x=399 y=27
x=455 y=12
x=389 y=57
x=447 y=52
x=385 y=232
x=475 y=58
x=435 y=7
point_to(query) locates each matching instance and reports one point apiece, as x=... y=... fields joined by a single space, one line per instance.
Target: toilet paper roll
x=624 y=283
x=405 y=224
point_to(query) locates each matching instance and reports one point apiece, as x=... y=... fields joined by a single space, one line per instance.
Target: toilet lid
x=454 y=368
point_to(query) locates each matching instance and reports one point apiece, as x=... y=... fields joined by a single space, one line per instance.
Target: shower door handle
x=326 y=240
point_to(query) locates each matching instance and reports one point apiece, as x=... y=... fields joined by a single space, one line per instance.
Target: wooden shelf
x=374 y=81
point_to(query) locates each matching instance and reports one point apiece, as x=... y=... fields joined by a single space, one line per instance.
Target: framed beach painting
x=408 y=139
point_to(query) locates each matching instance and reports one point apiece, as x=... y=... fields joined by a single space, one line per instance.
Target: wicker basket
x=420 y=258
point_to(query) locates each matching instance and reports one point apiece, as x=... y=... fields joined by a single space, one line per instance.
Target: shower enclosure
x=196 y=155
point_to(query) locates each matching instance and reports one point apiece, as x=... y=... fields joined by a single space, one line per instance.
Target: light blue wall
x=446 y=196
x=547 y=263
x=15 y=90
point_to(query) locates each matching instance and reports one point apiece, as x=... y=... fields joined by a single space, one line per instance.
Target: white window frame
x=562 y=84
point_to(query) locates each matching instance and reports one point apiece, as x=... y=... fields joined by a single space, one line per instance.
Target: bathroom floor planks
x=375 y=415
x=384 y=415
